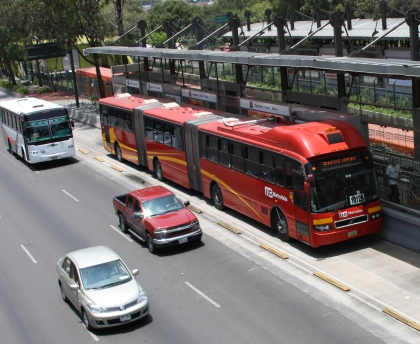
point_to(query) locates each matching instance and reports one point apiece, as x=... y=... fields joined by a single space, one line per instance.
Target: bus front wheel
x=216 y=196
x=279 y=223
x=118 y=152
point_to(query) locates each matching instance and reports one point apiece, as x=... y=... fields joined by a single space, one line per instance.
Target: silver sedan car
x=100 y=286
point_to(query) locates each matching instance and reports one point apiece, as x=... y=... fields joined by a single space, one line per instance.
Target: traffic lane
x=145 y=257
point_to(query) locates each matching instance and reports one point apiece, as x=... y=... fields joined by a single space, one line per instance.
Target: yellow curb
x=98 y=158
x=402 y=318
x=330 y=280
x=234 y=230
x=191 y=207
x=84 y=151
x=119 y=169
x=273 y=250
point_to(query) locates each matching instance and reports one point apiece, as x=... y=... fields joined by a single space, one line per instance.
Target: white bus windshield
x=47 y=129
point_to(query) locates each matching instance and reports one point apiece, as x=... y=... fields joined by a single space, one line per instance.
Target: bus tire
x=158 y=170
x=118 y=152
x=123 y=225
x=217 y=198
x=279 y=224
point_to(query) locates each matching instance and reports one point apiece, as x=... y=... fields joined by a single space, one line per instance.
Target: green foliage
x=6 y=84
x=94 y=98
x=20 y=89
x=44 y=89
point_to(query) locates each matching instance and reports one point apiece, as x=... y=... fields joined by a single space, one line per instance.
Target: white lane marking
x=29 y=255
x=202 y=294
x=119 y=232
x=70 y=195
x=249 y=239
x=95 y=338
x=364 y=301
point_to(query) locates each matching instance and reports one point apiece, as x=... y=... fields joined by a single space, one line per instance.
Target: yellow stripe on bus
x=323 y=221
x=374 y=209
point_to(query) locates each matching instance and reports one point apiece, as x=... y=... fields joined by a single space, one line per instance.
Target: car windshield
x=104 y=275
x=162 y=205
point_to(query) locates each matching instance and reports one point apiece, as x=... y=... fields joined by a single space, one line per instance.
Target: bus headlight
x=322 y=228
x=34 y=152
x=376 y=216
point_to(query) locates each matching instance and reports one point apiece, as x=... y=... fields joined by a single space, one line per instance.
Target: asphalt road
x=207 y=293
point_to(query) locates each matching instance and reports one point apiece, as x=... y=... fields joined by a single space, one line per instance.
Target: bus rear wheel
x=216 y=196
x=158 y=170
x=118 y=152
x=279 y=223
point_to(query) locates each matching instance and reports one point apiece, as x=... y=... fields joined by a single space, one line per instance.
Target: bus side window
x=149 y=128
x=267 y=167
x=252 y=160
x=158 y=134
x=238 y=157
x=167 y=131
x=128 y=122
x=288 y=170
x=279 y=170
x=177 y=137
x=203 y=145
x=213 y=149
x=224 y=156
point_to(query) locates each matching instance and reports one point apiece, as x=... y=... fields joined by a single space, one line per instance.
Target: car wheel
x=118 y=152
x=158 y=170
x=280 y=225
x=123 y=225
x=150 y=244
x=86 y=320
x=63 y=294
x=216 y=196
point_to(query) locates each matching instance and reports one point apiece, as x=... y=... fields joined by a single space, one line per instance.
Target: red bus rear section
x=313 y=182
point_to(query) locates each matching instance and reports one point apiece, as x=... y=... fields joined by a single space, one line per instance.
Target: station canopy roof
x=385 y=67
x=362 y=29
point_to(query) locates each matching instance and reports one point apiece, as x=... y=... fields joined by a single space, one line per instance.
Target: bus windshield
x=47 y=129
x=343 y=185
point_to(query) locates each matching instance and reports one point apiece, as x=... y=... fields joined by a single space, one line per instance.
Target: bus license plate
x=352 y=234
x=357 y=199
x=182 y=240
x=125 y=317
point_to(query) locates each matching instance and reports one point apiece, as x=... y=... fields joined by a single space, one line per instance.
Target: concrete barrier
x=84 y=117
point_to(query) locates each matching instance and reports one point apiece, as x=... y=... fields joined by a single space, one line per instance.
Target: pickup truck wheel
x=118 y=152
x=123 y=225
x=150 y=243
x=158 y=170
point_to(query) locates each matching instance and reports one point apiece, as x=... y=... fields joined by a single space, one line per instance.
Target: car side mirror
x=186 y=203
x=74 y=286
x=72 y=123
x=138 y=215
x=135 y=272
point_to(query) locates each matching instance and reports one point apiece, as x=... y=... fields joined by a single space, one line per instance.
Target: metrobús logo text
x=271 y=194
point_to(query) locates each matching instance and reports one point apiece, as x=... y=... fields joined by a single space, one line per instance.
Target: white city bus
x=37 y=130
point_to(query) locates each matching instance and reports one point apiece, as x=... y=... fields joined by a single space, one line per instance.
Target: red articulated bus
x=314 y=182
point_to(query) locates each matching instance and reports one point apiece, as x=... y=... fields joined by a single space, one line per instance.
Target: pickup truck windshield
x=162 y=205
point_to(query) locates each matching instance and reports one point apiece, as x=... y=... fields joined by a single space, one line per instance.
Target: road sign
x=222 y=19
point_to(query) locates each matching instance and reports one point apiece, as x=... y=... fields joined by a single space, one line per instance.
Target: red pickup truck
x=156 y=216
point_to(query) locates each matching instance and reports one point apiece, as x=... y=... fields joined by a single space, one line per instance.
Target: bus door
x=300 y=201
x=105 y=127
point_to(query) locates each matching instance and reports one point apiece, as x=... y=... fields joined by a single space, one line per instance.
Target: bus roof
x=184 y=112
x=90 y=72
x=28 y=105
x=130 y=101
x=308 y=140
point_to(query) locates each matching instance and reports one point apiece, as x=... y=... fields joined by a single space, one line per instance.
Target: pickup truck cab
x=156 y=216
